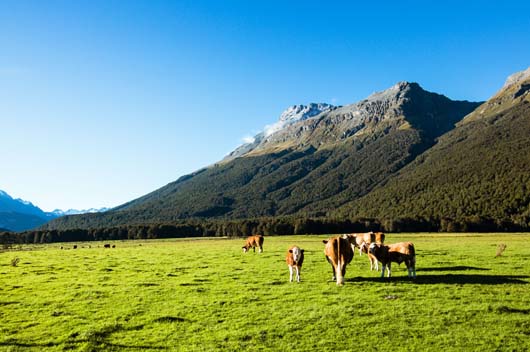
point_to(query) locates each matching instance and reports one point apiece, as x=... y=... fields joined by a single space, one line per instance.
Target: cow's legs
x=297 y=273
x=333 y=277
x=411 y=267
x=374 y=263
x=290 y=273
x=260 y=249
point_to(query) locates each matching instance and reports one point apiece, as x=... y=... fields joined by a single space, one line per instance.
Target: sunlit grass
x=207 y=295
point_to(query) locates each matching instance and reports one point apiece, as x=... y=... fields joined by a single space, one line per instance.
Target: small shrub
x=15 y=261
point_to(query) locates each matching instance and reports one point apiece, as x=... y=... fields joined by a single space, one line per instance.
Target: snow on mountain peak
x=296 y=113
x=288 y=117
x=59 y=212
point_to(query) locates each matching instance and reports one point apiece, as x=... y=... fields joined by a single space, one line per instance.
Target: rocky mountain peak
x=517 y=77
x=403 y=105
x=395 y=91
x=302 y=112
x=290 y=116
x=515 y=90
x=296 y=113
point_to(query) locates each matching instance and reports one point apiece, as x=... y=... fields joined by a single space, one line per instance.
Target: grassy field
x=205 y=295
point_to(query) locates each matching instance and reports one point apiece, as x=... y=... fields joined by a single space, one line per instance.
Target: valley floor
x=205 y=295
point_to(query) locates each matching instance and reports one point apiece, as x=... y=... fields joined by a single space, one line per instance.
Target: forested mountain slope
x=309 y=167
x=476 y=173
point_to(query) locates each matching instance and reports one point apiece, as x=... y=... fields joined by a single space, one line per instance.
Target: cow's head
x=352 y=238
x=378 y=249
x=245 y=249
x=297 y=254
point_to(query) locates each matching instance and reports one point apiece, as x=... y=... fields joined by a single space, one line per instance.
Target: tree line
x=265 y=226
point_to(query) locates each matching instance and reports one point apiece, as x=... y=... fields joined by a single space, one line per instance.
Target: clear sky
x=104 y=101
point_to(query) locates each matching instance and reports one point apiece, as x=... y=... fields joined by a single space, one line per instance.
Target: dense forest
x=265 y=226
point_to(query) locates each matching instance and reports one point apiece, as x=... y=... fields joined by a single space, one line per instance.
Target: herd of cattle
x=339 y=251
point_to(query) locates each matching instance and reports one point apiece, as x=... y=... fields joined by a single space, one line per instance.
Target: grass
x=205 y=295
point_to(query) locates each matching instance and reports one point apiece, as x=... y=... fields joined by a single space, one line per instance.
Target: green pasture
x=207 y=295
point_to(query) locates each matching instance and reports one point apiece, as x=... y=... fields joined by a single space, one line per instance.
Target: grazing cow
x=363 y=240
x=339 y=254
x=106 y=245
x=398 y=253
x=294 y=259
x=253 y=242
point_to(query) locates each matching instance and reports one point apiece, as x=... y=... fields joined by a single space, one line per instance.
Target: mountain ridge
x=476 y=174
x=304 y=168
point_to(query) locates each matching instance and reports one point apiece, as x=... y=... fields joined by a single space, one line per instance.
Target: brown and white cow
x=359 y=239
x=339 y=254
x=363 y=240
x=398 y=253
x=294 y=259
x=253 y=242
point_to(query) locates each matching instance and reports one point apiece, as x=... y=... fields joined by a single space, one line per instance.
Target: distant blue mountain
x=9 y=204
x=20 y=215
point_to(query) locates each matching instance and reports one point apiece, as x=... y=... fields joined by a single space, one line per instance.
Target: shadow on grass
x=15 y=343
x=505 y=309
x=453 y=268
x=450 y=279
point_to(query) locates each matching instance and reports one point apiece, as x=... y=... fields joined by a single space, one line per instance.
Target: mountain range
x=19 y=215
x=396 y=154
x=402 y=155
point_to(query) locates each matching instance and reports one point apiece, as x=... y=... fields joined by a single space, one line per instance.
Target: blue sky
x=104 y=101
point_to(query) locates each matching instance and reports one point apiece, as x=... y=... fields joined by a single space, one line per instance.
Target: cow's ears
x=290 y=251
x=301 y=250
x=324 y=241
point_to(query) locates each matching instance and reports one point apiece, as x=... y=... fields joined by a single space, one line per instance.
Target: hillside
x=477 y=173
x=20 y=222
x=306 y=167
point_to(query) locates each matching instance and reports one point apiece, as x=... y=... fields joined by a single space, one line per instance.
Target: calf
x=253 y=242
x=398 y=253
x=339 y=254
x=294 y=259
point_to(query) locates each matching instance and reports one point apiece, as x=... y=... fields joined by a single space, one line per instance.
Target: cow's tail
x=340 y=278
